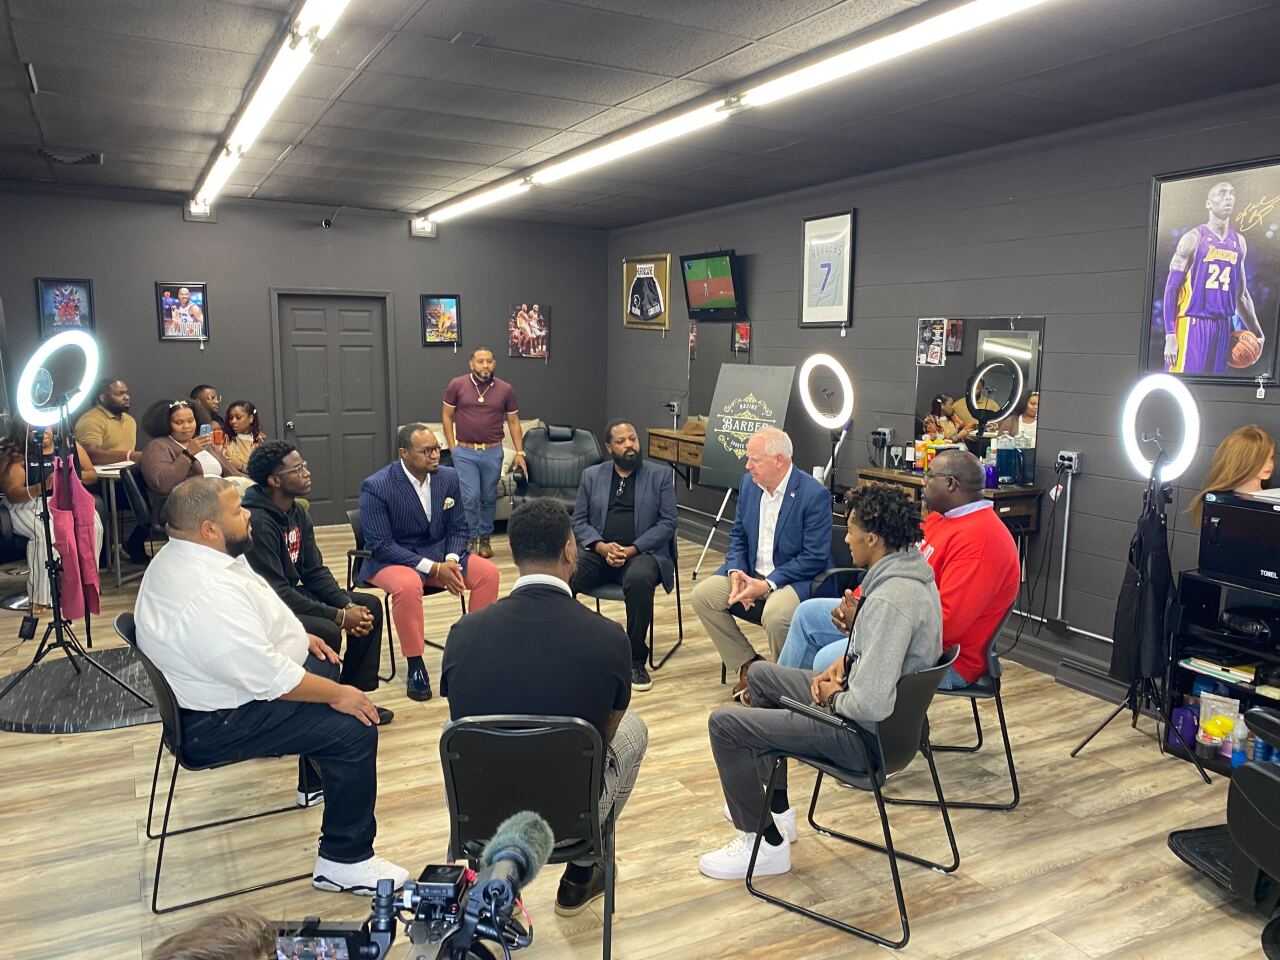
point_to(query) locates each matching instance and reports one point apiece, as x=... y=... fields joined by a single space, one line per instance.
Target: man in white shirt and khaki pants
x=251 y=683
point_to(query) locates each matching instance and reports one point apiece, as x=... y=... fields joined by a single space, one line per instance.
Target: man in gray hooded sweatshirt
x=897 y=631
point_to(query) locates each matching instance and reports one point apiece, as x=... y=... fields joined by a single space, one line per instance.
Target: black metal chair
x=353 y=581
x=897 y=740
x=613 y=592
x=555 y=457
x=135 y=492
x=495 y=766
x=987 y=687
x=171 y=738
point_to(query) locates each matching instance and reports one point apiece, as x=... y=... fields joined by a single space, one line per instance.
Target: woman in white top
x=1022 y=422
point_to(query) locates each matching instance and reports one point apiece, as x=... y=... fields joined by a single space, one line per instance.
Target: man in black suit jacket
x=624 y=522
x=539 y=651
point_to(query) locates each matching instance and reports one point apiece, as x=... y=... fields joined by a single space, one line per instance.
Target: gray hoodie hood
x=909 y=563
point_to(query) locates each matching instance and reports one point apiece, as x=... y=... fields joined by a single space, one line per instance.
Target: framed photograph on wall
x=931 y=341
x=646 y=291
x=64 y=305
x=826 y=282
x=183 y=310
x=955 y=337
x=441 y=318
x=1212 y=299
x=740 y=338
x=529 y=331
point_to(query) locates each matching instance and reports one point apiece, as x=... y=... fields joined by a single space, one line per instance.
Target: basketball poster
x=1213 y=294
x=646 y=291
x=529 y=331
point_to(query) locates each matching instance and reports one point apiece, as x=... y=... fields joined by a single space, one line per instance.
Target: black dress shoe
x=572 y=898
x=385 y=716
x=418 y=686
x=640 y=679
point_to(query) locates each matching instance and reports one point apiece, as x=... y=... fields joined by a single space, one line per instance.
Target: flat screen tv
x=712 y=287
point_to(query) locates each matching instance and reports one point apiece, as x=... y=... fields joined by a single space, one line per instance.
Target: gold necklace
x=479 y=395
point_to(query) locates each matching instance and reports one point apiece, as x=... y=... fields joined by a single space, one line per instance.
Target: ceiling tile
x=348 y=45
x=749 y=19
x=741 y=63
x=191 y=23
x=440 y=97
x=75 y=81
x=840 y=21
x=436 y=125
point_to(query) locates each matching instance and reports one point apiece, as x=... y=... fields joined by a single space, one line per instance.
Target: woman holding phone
x=179 y=451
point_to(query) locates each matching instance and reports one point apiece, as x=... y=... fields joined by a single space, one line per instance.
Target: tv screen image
x=711 y=285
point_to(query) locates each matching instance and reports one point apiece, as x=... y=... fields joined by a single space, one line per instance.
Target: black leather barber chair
x=556 y=457
x=1243 y=855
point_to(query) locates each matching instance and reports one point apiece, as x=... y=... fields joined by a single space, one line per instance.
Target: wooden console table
x=1018 y=507
x=682 y=450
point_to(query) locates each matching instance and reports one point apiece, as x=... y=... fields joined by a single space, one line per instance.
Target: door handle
x=288 y=424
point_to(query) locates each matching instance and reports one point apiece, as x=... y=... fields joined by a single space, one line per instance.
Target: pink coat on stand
x=71 y=515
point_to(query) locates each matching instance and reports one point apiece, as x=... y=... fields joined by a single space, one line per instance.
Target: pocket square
x=448 y=502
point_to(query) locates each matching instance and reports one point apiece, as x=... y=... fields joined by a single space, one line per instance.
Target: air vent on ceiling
x=72 y=158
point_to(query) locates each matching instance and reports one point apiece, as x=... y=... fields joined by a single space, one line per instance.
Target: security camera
x=327 y=222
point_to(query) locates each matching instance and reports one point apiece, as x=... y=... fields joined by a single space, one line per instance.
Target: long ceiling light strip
x=315 y=20
x=477 y=200
x=955 y=22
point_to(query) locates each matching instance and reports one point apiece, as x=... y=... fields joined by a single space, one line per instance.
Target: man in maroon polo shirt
x=475 y=405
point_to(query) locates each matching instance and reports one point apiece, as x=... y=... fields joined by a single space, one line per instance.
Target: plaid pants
x=621 y=766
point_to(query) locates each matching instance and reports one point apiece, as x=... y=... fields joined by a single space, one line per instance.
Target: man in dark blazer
x=624 y=522
x=541 y=652
x=414 y=526
x=781 y=540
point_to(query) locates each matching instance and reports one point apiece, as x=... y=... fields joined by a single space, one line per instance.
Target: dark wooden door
x=333 y=355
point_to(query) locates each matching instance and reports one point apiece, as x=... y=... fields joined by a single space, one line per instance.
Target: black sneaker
x=572 y=898
x=418 y=686
x=640 y=679
x=385 y=716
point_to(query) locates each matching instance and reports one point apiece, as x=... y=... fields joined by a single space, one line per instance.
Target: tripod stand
x=1146 y=585
x=58 y=635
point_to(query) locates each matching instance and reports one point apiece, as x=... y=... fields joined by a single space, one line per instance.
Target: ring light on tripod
x=840 y=419
x=1148 y=385
x=971 y=389
x=42 y=416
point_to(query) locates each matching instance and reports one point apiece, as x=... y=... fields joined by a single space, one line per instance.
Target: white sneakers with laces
x=730 y=861
x=358 y=878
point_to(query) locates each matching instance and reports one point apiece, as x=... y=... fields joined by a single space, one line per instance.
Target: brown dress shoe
x=740 y=691
x=485 y=550
x=472 y=545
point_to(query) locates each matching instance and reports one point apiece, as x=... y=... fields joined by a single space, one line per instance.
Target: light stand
x=59 y=627
x=839 y=423
x=837 y=441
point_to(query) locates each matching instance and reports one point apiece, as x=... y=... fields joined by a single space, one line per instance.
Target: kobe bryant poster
x=1213 y=289
x=646 y=291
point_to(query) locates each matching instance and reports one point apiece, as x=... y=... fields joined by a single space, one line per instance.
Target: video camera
x=447 y=912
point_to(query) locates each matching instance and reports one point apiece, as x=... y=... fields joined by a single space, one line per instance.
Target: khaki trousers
x=711 y=604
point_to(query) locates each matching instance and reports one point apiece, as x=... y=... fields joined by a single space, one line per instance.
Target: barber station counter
x=1017 y=506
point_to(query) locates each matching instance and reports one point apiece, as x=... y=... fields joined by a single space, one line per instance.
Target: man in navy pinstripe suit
x=415 y=527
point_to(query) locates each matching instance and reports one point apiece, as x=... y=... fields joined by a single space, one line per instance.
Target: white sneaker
x=730 y=861
x=785 y=822
x=309 y=798
x=358 y=878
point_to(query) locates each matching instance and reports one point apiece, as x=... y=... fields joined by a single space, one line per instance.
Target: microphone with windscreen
x=512 y=858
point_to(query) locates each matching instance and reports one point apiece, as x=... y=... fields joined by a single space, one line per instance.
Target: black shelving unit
x=1196 y=631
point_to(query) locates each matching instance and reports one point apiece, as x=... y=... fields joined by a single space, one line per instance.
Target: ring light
x=839 y=420
x=48 y=416
x=971 y=392
x=1162 y=382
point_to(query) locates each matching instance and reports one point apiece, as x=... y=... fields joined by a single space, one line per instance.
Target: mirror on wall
x=710 y=345
x=941 y=409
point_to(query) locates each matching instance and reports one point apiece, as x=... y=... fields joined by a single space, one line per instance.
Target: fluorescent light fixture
x=632 y=143
x=48 y=416
x=836 y=421
x=963 y=19
x=476 y=201
x=1161 y=382
x=971 y=395
x=314 y=22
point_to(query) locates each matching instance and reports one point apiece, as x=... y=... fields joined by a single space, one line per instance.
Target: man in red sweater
x=975 y=565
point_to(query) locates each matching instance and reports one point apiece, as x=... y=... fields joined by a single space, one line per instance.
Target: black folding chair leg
x=820 y=917
x=679 y=631
x=391 y=636
x=610 y=873
x=977 y=723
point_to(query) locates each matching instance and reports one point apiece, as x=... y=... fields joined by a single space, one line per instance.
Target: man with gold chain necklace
x=475 y=405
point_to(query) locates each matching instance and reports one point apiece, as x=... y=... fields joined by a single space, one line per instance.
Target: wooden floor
x=1080 y=869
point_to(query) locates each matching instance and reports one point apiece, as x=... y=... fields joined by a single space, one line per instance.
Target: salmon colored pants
x=405 y=584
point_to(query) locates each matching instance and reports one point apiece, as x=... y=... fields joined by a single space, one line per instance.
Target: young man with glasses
x=413 y=521
x=975 y=563
x=284 y=552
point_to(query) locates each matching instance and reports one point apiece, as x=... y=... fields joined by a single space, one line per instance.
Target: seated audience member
x=985 y=402
x=251 y=683
x=942 y=423
x=414 y=526
x=107 y=431
x=624 y=521
x=178 y=452
x=780 y=541
x=233 y=935
x=206 y=403
x=974 y=560
x=1022 y=422
x=284 y=553
x=897 y=632
x=539 y=651
x=242 y=433
x=22 y=451
x=1243 y=463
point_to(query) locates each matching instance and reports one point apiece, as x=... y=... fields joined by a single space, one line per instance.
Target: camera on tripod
x=447 y=913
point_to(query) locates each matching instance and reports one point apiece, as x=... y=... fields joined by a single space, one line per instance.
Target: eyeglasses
x=428 y=451
x=300 y=468
x=930 y=475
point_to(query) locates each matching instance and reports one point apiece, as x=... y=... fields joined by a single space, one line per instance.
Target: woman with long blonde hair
x=1241 y=464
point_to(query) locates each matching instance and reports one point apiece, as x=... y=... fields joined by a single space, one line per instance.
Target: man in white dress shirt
x=251 y=683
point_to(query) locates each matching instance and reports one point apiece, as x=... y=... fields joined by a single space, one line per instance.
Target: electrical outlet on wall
x=1069 y=459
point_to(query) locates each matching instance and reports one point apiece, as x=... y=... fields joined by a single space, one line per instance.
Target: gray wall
x=1054 y=227
x=125 y=245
